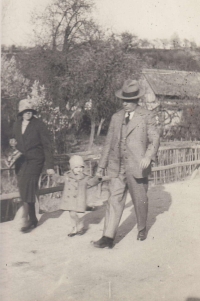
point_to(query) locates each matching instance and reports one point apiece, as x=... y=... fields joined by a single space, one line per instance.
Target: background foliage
x=75 y=68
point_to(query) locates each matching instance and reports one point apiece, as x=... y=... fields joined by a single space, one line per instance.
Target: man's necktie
x=127 y=118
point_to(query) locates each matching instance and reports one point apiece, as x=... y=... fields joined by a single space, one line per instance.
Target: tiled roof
x=173 y=83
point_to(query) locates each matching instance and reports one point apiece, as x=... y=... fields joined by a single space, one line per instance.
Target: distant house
x=169 y=91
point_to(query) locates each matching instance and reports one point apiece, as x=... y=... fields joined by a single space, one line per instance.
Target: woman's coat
x=36 y=148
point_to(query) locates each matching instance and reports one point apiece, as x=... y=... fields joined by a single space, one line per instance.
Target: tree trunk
x=54 y=140
x=100 y=126
x=54 y=44
x=66 y=40
x=92 y=132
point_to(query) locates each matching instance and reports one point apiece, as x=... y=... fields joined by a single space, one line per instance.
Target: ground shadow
x=94 y=217
x=127 y=225
x=159 y=202
x=91 y=217
x=192 y=299
x=48 y=215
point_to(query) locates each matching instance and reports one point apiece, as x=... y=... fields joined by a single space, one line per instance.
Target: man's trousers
x=115 y=205
x=29 y=214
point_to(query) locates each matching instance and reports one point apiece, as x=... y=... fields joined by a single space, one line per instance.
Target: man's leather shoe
x=142 y=235
x=104 y=242
x=90 y=208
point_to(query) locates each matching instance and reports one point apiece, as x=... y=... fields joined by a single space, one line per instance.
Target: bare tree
x=144 y=43
x=62 y=22
x=5 y=7
x=175 y=41
x=165 y=43
x=129 y=40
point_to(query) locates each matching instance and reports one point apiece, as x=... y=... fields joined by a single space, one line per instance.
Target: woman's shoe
x=30 y=226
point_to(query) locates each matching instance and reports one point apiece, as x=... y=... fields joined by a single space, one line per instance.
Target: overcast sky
x=149 y=19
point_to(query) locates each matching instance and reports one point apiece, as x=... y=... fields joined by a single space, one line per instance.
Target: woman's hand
x=50 y=171
x=13 y=142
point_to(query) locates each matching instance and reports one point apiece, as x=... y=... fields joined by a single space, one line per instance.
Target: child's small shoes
x=81 y=231
x=72 y=234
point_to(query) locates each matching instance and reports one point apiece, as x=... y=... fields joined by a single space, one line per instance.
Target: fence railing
x=172 y=164
x=10 y=198
x=175 y=163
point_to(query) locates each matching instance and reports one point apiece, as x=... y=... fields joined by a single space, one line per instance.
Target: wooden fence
x=174 y=163
x=9 y=197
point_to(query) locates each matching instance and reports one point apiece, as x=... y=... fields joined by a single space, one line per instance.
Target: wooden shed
x=169 y=91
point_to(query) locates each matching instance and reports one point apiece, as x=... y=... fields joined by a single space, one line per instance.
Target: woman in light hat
x=34 y=144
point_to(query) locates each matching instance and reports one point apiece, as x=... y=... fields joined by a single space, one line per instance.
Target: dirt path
x=47 y=265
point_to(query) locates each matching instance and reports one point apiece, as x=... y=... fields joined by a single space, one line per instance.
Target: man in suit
x=131 y=144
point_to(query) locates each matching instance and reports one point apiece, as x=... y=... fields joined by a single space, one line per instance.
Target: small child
x=74 y=198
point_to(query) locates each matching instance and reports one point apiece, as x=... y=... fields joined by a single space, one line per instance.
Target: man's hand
x=145 y=162
x=50 y=172
x=99 y=172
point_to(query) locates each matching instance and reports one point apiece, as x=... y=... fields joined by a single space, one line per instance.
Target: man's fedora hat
x=130 y=90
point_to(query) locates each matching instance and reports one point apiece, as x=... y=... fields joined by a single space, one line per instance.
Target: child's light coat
x=74 y=196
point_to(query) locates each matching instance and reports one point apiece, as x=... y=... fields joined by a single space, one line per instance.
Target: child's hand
x=105 y=178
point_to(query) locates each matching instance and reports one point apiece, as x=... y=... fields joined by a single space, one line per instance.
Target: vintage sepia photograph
x=100 y=150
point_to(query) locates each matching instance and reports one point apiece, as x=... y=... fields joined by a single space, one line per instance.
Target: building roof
x=173 y=82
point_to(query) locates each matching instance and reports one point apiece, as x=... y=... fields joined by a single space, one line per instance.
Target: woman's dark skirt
x=28 y=173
